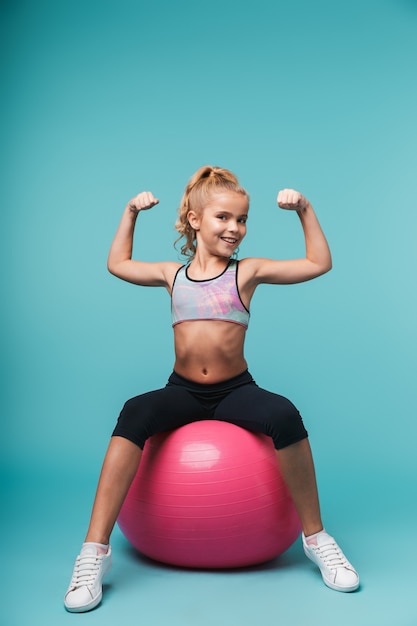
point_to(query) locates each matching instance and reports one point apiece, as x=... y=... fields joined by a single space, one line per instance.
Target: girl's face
x=221 y=225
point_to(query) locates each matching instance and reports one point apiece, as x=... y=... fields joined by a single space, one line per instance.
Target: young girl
x=210 y=299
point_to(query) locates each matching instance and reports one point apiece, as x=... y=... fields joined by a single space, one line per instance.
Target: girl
x=210 y=299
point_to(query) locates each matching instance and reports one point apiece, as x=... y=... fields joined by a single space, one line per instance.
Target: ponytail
x=205 y=182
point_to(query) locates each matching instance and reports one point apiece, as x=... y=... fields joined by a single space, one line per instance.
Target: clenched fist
x=143 y=201
x=292 y=200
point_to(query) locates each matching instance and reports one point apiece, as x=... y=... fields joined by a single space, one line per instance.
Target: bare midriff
x=209 y=351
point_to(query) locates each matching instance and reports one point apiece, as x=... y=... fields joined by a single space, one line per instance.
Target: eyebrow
x=225 y=212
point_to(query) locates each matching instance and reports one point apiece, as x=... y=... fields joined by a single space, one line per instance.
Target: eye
x=221 y=217
x=243 y=220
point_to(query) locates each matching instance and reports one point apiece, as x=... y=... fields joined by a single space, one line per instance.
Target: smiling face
x=221 y=225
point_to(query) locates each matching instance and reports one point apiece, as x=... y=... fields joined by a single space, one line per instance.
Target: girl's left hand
x=292 y=200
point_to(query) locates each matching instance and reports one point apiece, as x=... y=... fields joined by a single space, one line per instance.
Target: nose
x=233 y=226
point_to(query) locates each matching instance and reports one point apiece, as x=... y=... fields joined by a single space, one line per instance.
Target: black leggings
x=238 y=400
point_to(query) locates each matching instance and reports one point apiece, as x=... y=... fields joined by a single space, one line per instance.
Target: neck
x=202 y=266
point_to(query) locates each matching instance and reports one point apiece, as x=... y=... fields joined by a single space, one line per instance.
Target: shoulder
x=171 y=269
x=255 y=271
x=250 y=268
x=175 y=271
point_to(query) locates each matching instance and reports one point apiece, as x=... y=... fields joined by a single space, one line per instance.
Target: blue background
x=105 y=99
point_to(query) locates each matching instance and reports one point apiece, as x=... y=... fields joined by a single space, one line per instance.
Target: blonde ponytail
x=205 y=182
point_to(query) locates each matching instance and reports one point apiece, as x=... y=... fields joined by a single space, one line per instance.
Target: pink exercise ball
x=209 y=495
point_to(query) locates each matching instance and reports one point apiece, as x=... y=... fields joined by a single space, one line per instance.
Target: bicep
x=281 y=272
x=147 y=274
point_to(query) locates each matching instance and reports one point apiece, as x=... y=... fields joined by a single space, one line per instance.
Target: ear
x=193 y=220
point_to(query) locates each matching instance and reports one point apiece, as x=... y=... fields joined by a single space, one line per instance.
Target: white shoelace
x=331 y=555
x=86 y=568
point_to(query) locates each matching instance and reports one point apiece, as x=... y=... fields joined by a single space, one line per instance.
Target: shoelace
x=331 y=555
x=86 y=569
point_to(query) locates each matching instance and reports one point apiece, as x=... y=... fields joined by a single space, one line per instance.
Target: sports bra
x=213 y=299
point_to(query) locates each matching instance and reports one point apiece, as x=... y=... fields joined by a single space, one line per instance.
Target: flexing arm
x=120 y=261
x=317 y=259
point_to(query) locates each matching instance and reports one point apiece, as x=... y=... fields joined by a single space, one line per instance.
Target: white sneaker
x=335 y=569
x=85 y=589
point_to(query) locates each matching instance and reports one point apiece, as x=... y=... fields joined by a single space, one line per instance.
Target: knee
x=287 y=426
x=131 y=425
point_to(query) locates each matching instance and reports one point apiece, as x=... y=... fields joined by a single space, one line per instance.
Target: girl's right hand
x=143 y=201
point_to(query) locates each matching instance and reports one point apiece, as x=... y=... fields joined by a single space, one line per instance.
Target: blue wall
x=105 y=99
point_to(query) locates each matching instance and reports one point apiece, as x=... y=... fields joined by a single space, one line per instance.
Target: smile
x=229 y=240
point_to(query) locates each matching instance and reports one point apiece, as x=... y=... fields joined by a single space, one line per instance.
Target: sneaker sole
x=342 y=589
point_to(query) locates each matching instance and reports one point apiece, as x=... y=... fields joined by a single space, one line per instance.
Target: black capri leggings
x=238 y=400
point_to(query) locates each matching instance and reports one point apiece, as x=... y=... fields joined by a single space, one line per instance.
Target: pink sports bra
x=213 y=299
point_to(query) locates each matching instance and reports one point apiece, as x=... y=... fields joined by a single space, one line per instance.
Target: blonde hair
x=205 y=182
